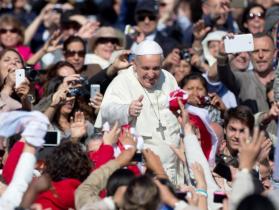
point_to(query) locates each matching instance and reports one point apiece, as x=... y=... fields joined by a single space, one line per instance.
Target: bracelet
x=202 y=192
x=244 y=170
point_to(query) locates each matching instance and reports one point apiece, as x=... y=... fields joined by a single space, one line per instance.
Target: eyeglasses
x=252 y=16
x=12 y=30
x=105 y=40
x=141 y=17
x=71 y=53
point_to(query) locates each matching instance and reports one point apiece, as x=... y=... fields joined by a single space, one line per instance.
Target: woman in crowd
x=12 y=36
x=196 y=87
x=253 y=19
x=104 y=43
x=74 y=49
x=11 y=97
x=63 y=111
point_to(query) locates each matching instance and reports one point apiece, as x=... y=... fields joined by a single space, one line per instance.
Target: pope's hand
x=136 y=107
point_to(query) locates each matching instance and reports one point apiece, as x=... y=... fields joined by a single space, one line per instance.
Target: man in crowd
x=249 y=86
x=139 y=96
x=146 y=15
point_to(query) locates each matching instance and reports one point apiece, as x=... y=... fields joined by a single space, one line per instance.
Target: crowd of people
x=139 y=105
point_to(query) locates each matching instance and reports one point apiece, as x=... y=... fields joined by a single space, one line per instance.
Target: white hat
x=148 y=47
x=212 y=36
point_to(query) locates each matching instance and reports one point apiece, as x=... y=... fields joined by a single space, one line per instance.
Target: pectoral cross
x=161 y=129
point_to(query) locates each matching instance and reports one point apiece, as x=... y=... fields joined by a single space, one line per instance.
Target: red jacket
x=60 y=196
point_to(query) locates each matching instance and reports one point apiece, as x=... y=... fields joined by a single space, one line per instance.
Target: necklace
x=161 y=128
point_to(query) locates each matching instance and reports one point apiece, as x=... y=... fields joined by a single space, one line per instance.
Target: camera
x=206 y=100
x=31 y=73
x=75 y=92
x=137 y=157
x=185 y=55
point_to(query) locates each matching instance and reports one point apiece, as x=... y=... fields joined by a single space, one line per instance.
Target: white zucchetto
x=148 y=47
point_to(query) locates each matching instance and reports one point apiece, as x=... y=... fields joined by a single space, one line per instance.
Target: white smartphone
x=52 y=139
x=239 y=43
x=20 y=76
x=94 y=89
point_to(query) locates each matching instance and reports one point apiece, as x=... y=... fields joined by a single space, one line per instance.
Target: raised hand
x=128 y=139
x=249 y=149
x=136 y=107
x=183 y=119
x=111 y=137
x=78 y=126
x=153 y=163
x=23 y=89
x=96 y=101
x=59 y=96
x=217 y=102
x=120 y=62
x=200 y=30
x=172 y=59
x=88 y=29
x=52 y=44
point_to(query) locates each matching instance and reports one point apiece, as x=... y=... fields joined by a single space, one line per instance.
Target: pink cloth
x=26 y=53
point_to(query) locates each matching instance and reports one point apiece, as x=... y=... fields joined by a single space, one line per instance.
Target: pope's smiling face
x=148 y=69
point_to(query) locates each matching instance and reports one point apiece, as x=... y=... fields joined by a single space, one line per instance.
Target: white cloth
x=212 y=36
x=194 y=154
x=33 y=123
x=16 y=121
x=122 y=91
x=11 y=198
x=203 y=115
x=91 y=58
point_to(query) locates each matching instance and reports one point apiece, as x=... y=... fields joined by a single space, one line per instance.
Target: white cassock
x=115 y=107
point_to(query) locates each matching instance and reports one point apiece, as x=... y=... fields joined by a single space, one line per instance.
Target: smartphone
x=219 y=196
x=94 y=89
x=239 y=43
x=223 y=170
x=20 y=76
x=52 y=139
x=137 y=157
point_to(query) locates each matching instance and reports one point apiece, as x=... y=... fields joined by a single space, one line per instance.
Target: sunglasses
x=163 y=4
x=105 y=40
x=12 y=30
x=252 y=16
x=71 y=53
x=141 y=17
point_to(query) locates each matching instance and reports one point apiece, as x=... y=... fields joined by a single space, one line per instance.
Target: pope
x=139 y=96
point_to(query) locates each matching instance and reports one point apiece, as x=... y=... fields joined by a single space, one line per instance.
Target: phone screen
x=137 y=157
x=94 y=89
x=20 y=76
x=52 y=138
x=219 y=197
